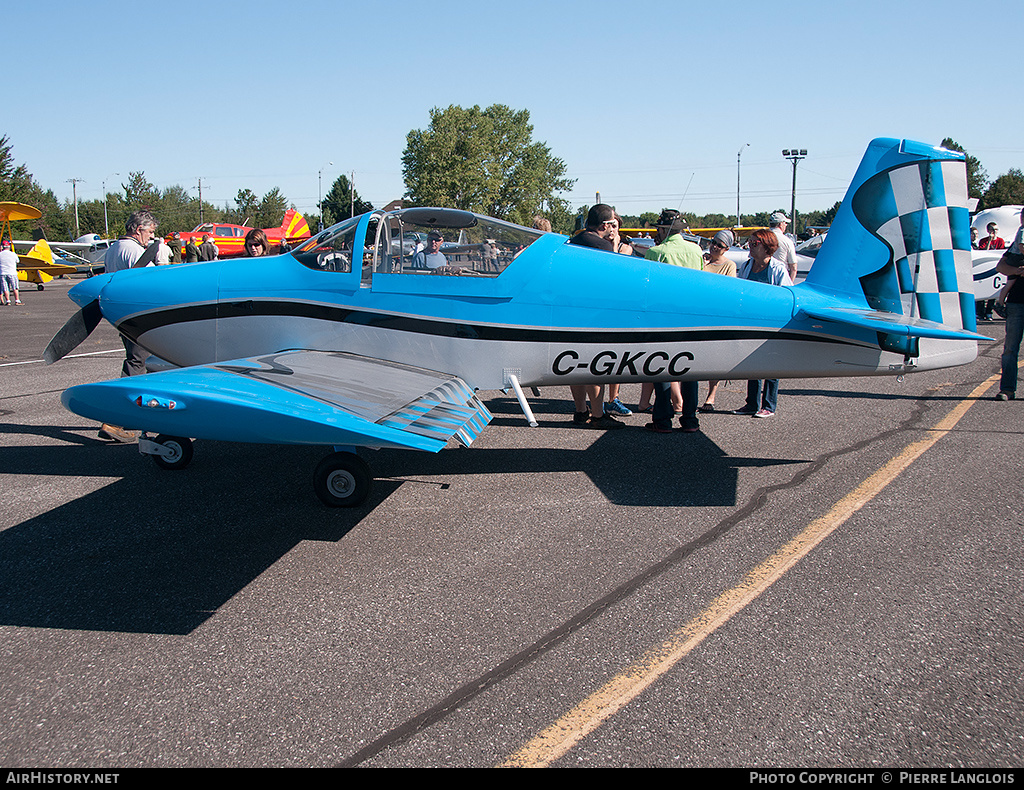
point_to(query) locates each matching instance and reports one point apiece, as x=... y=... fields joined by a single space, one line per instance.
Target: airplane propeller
x=77 y=329
x=82 y=323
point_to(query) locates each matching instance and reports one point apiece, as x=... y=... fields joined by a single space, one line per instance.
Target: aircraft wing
x=293 y=397
x=890 y=323
x=709 y=233
x=70 y=246
x=31 y=263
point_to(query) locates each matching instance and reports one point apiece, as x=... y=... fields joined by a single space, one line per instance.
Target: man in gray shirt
x=124 y=254
x=126 y=251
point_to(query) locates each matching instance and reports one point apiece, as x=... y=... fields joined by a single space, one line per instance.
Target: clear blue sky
x=647 y=103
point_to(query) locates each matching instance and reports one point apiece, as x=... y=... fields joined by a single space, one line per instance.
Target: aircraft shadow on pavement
x=155 y=551
x=159 y=552
x=631 y=467
x=860 y=395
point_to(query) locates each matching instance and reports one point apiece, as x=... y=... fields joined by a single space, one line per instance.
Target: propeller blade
x=77 y=329
x=148 y=256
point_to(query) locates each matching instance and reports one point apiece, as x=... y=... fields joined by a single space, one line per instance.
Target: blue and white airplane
x=341 y=343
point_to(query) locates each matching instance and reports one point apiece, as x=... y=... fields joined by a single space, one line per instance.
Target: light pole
x=107 y=227
x=320 y=193
x=794 y=155
x=738 y=183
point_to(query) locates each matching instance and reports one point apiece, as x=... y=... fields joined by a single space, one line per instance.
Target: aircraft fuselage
x=651 y=321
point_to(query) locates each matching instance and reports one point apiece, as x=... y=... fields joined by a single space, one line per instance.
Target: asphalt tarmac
x=838 y=586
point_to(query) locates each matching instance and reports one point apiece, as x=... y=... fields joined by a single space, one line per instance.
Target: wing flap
x=294 y=397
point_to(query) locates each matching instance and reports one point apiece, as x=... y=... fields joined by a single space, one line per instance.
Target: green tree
x=18 y=186
x=90 y=216
x=139 y=193
x=715 y=221
x=11 y=175
x=270 y=210
x=246 y=206
x=820 y=218
x=339 y=201
x=561 y=216
x=176 y=210
x=977 y=178
x=1006 y=190
x=484 y=161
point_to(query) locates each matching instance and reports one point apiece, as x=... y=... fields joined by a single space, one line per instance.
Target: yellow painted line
x=557 y=739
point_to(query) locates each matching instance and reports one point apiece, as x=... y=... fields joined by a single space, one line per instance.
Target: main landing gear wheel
x=342 y=479
x=179 y=452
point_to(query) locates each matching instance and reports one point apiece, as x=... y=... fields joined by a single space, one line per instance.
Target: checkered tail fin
x=901 y=242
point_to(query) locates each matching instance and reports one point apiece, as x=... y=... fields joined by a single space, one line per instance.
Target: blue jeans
x=1011 y=346
x=763 y=394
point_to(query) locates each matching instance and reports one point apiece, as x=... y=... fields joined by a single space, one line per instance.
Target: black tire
x=181 y=452
x=342 y=480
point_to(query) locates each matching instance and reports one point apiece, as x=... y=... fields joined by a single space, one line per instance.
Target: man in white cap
x=787 y=250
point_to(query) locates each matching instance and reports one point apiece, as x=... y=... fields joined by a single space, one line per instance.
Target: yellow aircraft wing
x=709 y=233
x=13 y=212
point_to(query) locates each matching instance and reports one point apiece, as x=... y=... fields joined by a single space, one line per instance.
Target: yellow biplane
x=37 y=265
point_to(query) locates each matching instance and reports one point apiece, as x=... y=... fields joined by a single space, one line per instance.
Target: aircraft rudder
x=294 y=225
x=901 y=239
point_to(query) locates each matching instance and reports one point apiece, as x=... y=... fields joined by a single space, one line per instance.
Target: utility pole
x=320 y=194
x=200 y=181
x=738 y=183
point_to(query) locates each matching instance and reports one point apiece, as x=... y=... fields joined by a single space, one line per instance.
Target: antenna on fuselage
x=680 y=206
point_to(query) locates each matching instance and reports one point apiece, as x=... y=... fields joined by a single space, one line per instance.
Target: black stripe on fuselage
x=138 y=325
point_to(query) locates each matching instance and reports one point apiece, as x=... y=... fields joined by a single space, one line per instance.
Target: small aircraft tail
x=899 y=251
x=294 y=225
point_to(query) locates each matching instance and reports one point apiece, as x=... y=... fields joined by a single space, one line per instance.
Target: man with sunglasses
x=431 y=257
x=601 y=226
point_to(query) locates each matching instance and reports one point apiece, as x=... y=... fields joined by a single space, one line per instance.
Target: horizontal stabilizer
x=294 y=397
x=890 y=323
